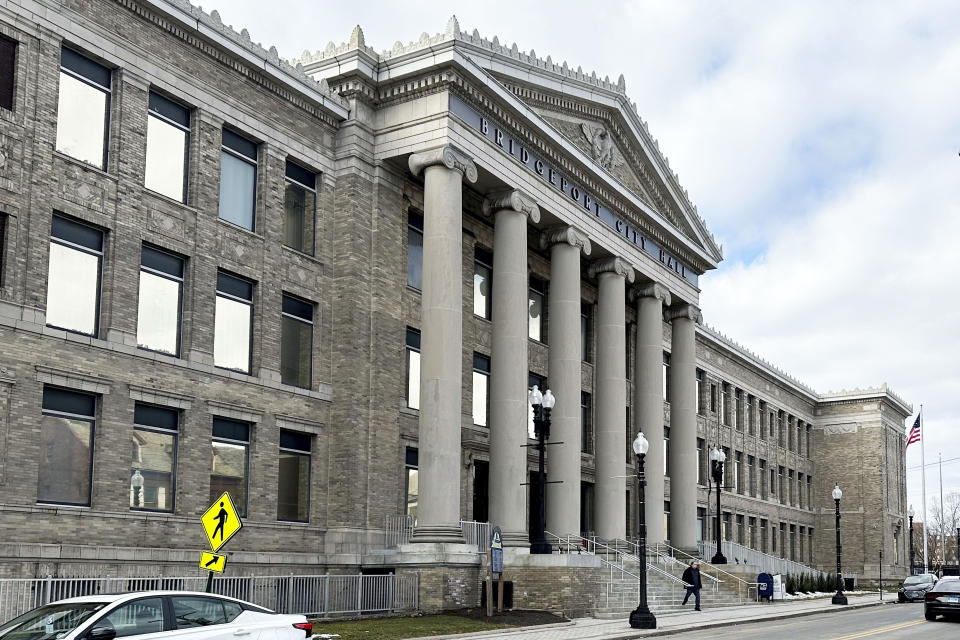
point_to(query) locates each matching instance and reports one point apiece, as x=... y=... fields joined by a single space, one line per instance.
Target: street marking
x=873 y=632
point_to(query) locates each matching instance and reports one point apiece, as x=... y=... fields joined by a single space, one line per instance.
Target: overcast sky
x=818 y=139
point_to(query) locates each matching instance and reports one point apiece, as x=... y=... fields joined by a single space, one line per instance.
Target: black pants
x=696 y=593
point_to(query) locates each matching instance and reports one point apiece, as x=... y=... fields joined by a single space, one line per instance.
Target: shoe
x=697 y=609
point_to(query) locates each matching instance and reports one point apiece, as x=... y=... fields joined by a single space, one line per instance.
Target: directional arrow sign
x=213 y=562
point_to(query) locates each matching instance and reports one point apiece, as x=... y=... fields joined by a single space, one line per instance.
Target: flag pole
x=923 y=475
x=943 y=518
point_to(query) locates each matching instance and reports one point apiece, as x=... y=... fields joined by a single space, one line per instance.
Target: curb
x=735 y=622
x=495 y=633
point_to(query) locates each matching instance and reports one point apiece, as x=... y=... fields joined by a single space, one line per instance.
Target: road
x=886 y=622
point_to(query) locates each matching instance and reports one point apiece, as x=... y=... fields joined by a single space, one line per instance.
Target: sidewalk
x=670 y=623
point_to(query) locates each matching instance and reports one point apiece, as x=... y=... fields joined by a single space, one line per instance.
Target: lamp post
x=641 y=617
x=542 y=404
x=910 y=516
x=717 y=458
x=958 y=551
x=838 y=597
x=136 y=482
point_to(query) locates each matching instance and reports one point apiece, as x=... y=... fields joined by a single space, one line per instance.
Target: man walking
x=691 y=576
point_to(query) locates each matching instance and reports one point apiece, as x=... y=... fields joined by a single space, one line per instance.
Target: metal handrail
x=742 y=585
x=765 y=561
x=650 y=567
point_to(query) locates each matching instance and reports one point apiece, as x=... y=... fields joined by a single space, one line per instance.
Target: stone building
x=326 y=288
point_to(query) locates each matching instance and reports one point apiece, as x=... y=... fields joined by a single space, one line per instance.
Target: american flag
x=914 y=432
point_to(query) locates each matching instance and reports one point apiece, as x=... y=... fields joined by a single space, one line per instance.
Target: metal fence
x=315 y=596
x=399 y=530
x=477 y=534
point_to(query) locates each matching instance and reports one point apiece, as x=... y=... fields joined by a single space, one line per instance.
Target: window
x=83 y=109
x=751 y=416
x=740 y=532
x=3 y=242
x=738 y=408
x=782 y=489
x=536 y=327
x=73 y=279
x=415 y=249
x=585 y=309
x=738 y=472
x=780 y=430
x=413 y=368
x=763 y=535
x=713 y=398
x=66 y=447
x=193 y=611
x=666 y=377
x=800 y=487
x=586 y=418
x=773 y=481
x=168 y=142
x=293 y=478
x=762 y=413
x=666 y=450
x=154 y=458
x=231 y=449
x=481 y=389
x=808 y=429
x=160 y=303
x=701 y=462
x=809 y=492
x=666 y=519
x=8 y=69
x=482 y=281
x=299 y=208
x=233 y=324
x=541 y=382
x=412 y=481
x=238 y=180
x=752 y=475
x=631 y=331
x=791 y=440
x=724 y=404
x=791 y=496
x=699 y=391
x=144 y=615
x=296 y=342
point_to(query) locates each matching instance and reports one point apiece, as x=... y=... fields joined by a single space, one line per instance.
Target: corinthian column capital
x=569 y=235
x=448 y=156
x=613 y=264
x=651 y=290
x=685 y=310
x=512 y=199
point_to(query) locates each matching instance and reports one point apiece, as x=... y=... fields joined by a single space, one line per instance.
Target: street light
x=717 y=458
x=838 y=597
x=910 y=516
x=136 y=481
x=641 y=617
x=958 y=550
x=542 y=404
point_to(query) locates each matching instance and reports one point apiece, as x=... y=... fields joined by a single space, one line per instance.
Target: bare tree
x=942 y=527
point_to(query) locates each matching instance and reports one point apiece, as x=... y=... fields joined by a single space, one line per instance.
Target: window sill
x=147 y=191
x=249 y=232
x=85 y=165
x=300 y=254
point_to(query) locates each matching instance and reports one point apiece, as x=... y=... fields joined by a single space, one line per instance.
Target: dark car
x=943 y=599
x=915 y=587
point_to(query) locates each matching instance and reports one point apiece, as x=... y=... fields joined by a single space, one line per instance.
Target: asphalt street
x=887 y=622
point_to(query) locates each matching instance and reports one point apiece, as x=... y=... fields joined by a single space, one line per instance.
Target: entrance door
x=481 y=485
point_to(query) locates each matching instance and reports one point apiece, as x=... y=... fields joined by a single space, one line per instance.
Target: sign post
x=496 y=566
x=220 y=522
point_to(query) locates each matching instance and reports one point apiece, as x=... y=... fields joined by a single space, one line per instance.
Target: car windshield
x=49 y=621
x=915 y=580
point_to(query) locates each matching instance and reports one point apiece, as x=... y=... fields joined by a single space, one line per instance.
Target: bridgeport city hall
x=327 y=286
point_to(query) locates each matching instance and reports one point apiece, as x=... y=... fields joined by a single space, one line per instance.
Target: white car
x=151 y=615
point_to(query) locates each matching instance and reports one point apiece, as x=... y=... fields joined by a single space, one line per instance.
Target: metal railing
x=398 y=530
x=316 y=596
x=738 y=554
x=477 y=534
x=711 y=571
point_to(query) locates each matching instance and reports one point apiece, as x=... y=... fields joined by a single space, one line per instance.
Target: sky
x=819 y=141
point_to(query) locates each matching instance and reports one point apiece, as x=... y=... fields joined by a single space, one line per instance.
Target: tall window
x=168 y=142
x=482 y=281
x=702 y=475
x=415 y=249
x=3 y=242
x=538 y=292
x=808 y=437
x=8 y=68
x=233 y=325
x=481 y=389
x=231 y=459
x=66 y=447
x=713 y=398
x=751 y=417
x=666 y=377
x=153 y=471
x=586 y=417
x=238 y=180
x=413 y=368
x=666 y=519
x=738 y=472
x=762 y=415
x=299 y=208
x=83 y=109
x=738 y=408
x=585 y=331
x=762 y=475
x=752 y=476
x=73 y=279
x=412 y=481
x=293 y=479
x=699 y=391
x=541 y=382
x=626 y=343
x=780 y=430
x=724 y=402
x=160 y=302
x=296 y=342
x=666 y=450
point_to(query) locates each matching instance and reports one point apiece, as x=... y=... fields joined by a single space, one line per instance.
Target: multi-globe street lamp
x=838 y=597
x=641 y=617
x=542 y=405
x=717 y=458
x=910 y=516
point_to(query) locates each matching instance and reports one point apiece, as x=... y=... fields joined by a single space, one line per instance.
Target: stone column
x=683 y=426
x=508 y=366
x=564 y=377
x=648 y=397
x=441 y=357
x=610 y=395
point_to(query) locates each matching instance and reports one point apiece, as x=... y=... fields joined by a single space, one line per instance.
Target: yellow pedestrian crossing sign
x=220 y=522
x=213 y=562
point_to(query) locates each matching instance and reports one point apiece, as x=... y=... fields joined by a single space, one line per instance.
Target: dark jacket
x=692 y=577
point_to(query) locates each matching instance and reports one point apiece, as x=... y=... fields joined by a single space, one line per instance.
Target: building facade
x=327 y=288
